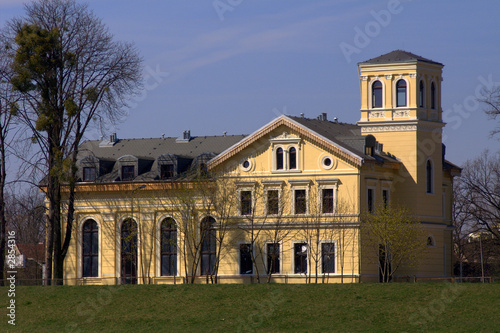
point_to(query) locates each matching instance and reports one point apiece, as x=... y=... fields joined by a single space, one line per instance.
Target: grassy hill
x=438 y=307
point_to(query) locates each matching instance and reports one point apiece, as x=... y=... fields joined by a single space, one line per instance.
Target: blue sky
x=232 y=66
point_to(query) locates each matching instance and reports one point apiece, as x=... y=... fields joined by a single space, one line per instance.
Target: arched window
x=421 y=93
x=377 y=94
x=128 y=253
x=292 y=155
x=279 y=159
x=90 y=249
x=429 y=177
x=168 y=247
x=208 y=245
x=401 y=93
x=433 y=95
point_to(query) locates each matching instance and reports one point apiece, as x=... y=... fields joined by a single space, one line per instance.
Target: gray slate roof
x=399 y=56
x=347 y=136
x=187 y=156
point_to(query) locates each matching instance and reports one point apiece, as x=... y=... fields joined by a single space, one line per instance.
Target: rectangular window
x=273 y=258
x=300 y=201
x=273 y=202
x=300 y=258
x=327 y=200
x=89 y=174
x=246 y=202
x=246 y=265
x=370 y=200
x=328 y=257
x=128 y=172
x=385 y=197
x=167 y=171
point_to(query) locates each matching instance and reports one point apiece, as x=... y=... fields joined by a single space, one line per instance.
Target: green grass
x=438 y=307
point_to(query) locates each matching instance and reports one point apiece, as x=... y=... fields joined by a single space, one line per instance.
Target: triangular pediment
x=291 y=130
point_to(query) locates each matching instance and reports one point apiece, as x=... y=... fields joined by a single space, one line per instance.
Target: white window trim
x=280 y=256
x=293 y=189
x=370 y=92
x=119 y=248
x=80 y=246
x=320 y=261
x=325 y=184
x=158 y=247
x=252 y=191
x=286 y=144
x=395 y=92
x=280 y=208
x=238 y=244
x=292 y=258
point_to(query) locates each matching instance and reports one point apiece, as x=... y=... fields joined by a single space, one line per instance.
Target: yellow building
x=282 y=204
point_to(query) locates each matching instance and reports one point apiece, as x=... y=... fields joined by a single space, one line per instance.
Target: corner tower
x=401 y=107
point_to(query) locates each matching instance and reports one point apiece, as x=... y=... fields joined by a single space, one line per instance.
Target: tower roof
x=399 y=56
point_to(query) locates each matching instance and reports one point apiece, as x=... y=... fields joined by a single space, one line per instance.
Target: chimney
x=302 y=115
x=186 y=137
x=112 y=138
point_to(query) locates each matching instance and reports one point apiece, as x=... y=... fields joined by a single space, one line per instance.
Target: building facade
x=282 y=204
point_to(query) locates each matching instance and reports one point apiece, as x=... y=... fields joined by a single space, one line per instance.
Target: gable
x=279 y=129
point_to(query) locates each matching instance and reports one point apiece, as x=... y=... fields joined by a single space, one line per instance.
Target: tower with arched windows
x=401 y=108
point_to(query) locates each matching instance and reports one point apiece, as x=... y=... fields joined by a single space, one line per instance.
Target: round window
x=246 y=164
x=327 y=162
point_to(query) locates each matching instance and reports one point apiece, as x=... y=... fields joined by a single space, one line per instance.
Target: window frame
x=93 y=256
x=278 y=201
x=335 y=253
x=294 y=268
x=212 y=253
x=294 y=200
x=132 y=279
x=84 y=174
x=371 y=207
x=421 y=94
x=240 y=201
x=429 y=176
x=397 y=86
x=171 y=172
x=123 y=173
x=240 y=262
x=170 y=254
x=433 y=95
x=279 y=257
x=374 y=89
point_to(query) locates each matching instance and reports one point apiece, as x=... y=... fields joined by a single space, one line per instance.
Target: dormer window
x=377 y=94
x=167 y=171
x=128 y=172
x=89 y=174
x=401 y=93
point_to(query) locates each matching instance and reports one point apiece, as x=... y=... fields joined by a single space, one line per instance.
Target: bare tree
x=491 y=100
x=479 y=187
x=8 y=100
x=69 y=72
